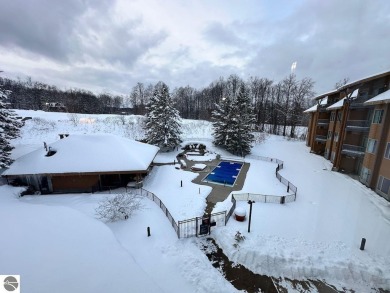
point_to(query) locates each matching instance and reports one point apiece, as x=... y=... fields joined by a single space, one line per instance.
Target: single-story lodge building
x=83 y=163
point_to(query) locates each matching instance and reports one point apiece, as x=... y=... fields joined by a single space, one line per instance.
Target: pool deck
x=219 y=192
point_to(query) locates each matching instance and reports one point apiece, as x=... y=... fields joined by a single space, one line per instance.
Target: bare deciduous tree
x=119 y=207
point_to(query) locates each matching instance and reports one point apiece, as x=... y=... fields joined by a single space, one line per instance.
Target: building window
x=326 y=154
x=332 y=115
x=332 y=156
x=339 y=116
x=371 y=146
x=336 y=136
x=378 y=114
x=384 y=185
x=387 y=152
x=365 y=175
x=329 y=134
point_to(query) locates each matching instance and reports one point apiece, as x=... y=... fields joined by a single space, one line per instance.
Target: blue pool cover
x=224 y=173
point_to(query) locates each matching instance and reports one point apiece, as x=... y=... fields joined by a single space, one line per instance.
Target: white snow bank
x=183 y=202
x=319 y=235
x=198 y=158
x=71 y=251
x=198 y=167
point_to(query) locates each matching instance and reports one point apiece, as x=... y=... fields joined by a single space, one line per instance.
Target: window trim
x=380 y=116
x=336 y=137
x=339 y=116
x=380 y=185
x=332 y=156
x=374 y=146
x=364 y=175
x=387 y=151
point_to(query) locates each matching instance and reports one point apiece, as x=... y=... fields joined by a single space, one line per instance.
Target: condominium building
x=350 y=126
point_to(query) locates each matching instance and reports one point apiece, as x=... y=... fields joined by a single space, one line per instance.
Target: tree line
x=276 y=105
x=26 y=94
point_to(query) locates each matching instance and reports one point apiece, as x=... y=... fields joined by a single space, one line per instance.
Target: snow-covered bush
x=119 y=207
x=120 y=119
x=260 y=137
x=73 y=118
x=239 y=238
x=43 y=125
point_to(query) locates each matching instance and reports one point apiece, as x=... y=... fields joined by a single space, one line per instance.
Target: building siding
x=351 y=131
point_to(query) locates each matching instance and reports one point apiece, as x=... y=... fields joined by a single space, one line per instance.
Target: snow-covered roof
x=339 y=104
x=324 y=100
x=355 y=93
x=382 y=98
x=354 y=83
x=85 y=154
x=367 y=78
x=325 y=94
x=311 y=109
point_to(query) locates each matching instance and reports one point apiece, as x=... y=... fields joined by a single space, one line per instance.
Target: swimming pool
x=225 y=173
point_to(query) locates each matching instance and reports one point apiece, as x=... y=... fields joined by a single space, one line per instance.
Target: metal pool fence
x=266 y=198
x=201 y=225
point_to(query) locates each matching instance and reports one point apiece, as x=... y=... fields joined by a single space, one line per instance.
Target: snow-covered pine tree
x=9 y=129
x=240 y=137
x=221 y=122
x=162 y=125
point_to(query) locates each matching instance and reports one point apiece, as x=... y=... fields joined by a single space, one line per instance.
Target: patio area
x=219 y=192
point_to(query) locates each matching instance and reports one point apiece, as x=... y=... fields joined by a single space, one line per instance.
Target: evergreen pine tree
x=240 y=130
x=9 y=129
x=162 y=125
x=221 y=120
x=233 y=121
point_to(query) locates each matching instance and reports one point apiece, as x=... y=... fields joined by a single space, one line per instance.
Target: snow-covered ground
x=317 y=237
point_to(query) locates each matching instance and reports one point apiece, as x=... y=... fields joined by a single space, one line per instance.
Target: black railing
x=323 y=122
x=191 y=227
x=358 y=125
x=353 y=150
x=162 y=206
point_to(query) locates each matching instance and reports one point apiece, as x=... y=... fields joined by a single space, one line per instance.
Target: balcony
x=321 y=138
x=323 y=122
x=359 y=102
x=353 y=150
x=358 y=125
x=322 y=108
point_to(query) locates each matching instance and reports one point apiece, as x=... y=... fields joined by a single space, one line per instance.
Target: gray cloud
x=40 y=27
x=100 y=39
x=329 y=39
x=223 y=35
x=73 y=31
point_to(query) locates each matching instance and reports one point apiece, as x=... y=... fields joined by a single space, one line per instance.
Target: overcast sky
x=110 y=45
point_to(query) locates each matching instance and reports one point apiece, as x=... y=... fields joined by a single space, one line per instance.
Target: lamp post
x=250 y=214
